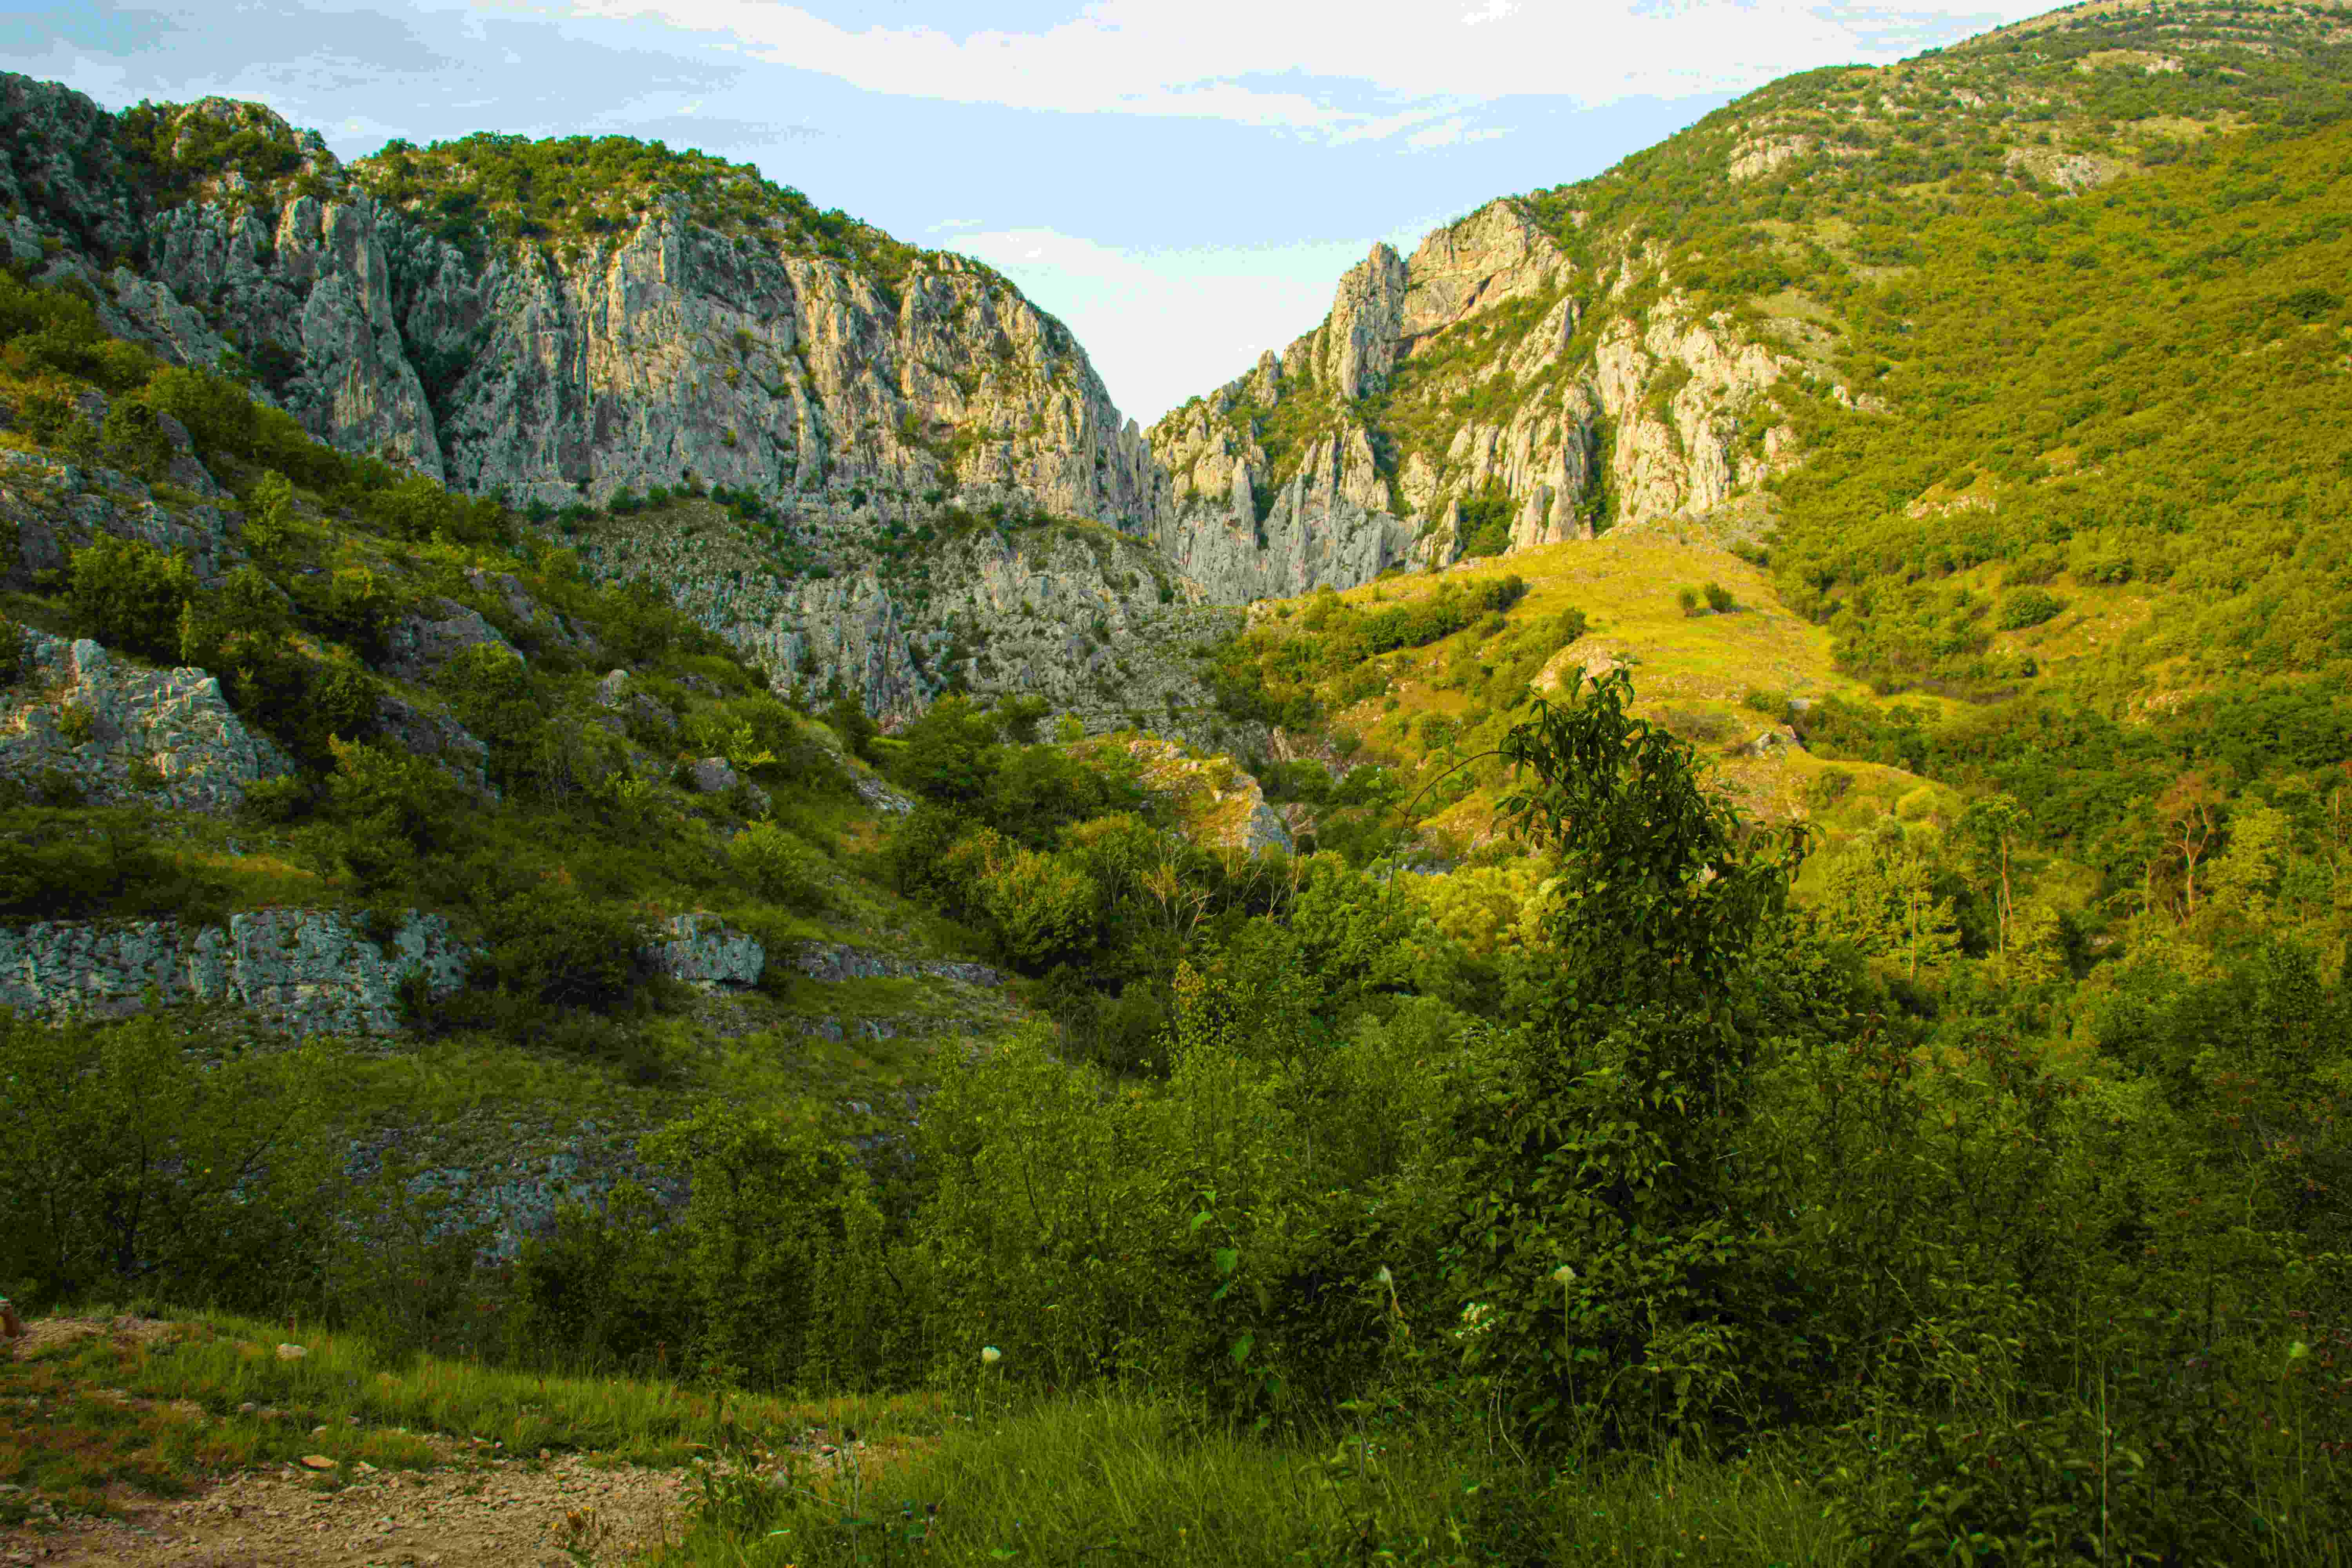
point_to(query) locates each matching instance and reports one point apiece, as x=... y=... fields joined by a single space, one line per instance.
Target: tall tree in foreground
x=1601 y=1242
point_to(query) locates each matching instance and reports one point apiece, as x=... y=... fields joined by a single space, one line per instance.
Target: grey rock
x=828 y=961
x=712 y=775
x=302 y=971
x=700 y=949
x=421 y=643
x=161 y=738
x=437 y=737
x=58 y=508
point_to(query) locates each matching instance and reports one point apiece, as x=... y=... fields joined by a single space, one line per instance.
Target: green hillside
x=1837 y=1051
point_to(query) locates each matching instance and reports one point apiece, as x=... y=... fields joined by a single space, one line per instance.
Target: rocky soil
x=474 y=1508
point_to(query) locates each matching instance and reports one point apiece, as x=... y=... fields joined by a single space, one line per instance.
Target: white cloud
x=1362 y=68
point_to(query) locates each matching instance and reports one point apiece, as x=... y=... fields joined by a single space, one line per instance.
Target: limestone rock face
x=1094 y=622
x=701 y=950
x=572 y=372
x=302 y=971
x=439 y=739
x=421 y=643
x=1578 y=423
x=58 y=508
x=298 y=972
x=122 y=734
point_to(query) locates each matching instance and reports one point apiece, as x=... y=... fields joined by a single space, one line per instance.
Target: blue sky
x=1182 y=181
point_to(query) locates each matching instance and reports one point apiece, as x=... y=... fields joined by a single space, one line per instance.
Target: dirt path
x=507 y=1515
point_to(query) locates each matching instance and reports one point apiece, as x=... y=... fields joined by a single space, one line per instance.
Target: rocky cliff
x=1487 y=393
x=429 y=307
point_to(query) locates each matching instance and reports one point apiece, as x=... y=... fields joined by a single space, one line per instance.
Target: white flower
x=989 y=1355
x=1563 y=1275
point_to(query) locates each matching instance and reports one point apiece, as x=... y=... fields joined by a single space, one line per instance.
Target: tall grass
x=1128 y=1475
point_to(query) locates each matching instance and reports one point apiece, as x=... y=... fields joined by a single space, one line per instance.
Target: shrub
x=1688 y=599
x=135 y=438
x=383 y=810
x=1719 y=599
x=128 y=595
x=780 y=867
x=268 y=521
x=782 y=1249
x=128 y=1166
x=1828 y=787
x=848 y=718
x=554 y=944
x=2024 y=607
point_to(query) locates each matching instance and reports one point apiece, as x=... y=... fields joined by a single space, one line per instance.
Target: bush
x=551 y=943
x=1688 y=599
x=127 y=1165
x=2024 y=607
x=135 y=438
x=384 y=809
x=1719 y=599
x=50 y=868
x=780 y=867
x=128 y=595
x=781 y=1250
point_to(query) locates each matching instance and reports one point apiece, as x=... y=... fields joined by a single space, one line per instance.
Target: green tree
x=1600 y=1197
x=128 y=1166
x=783 y=1248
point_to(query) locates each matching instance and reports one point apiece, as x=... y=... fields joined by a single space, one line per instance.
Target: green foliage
x=553 y=944
x=384 y=811
x=128 y=1168
x=128 y=595
x=2157 y=422
x=780 y=865
x=2026 y=607
x=488 y=190
x=57 y=864
x=783 y=1250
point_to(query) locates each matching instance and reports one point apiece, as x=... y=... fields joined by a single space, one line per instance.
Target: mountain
x=578 y=325
x=1623 y=352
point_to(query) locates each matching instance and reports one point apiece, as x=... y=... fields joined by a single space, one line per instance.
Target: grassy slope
x=1691 y=674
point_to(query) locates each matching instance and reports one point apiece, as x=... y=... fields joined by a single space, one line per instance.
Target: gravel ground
x=505 y=1516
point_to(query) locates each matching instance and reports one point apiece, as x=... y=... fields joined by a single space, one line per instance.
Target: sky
x=1181 y=182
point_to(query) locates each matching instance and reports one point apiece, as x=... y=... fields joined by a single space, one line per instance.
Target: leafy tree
x=1596 y=1208
x=128 y=595
x=127 y=1167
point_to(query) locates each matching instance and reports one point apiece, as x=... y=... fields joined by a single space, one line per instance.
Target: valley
x=1682 y=885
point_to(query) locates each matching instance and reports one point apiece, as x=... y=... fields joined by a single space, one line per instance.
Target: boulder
x=703 y=951
x=424 y=642
x=122 y=734
x=439 y=739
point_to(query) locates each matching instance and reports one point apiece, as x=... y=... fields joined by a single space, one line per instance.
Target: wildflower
x=989 y=1355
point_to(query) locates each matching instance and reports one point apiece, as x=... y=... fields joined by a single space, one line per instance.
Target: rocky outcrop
x=438 y=738
x=835 y=961
x=1659 y=414
x=422 y=642
x=704 y=951
x=119 y=734
x=56 y=508
x=301 y=972
x=1087 y=618
x=1217 y=805
x=746 y=356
